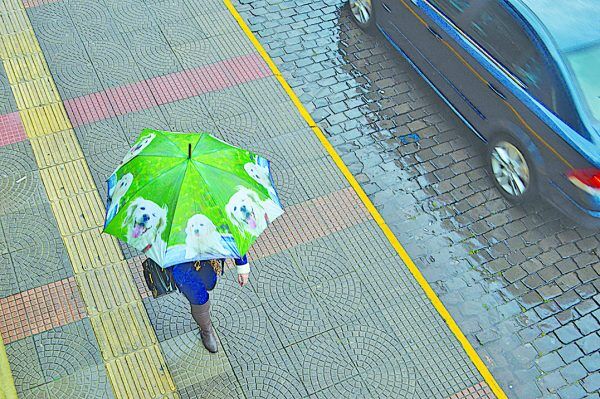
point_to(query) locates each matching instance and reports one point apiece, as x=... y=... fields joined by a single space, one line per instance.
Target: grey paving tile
x=220 y=22
x=16 y=159
x=129 y=15
x=281 y=119
x=352 y=388
x=8 y=277
x=36 y=248
x=226 y=103
x=7 y=100
x=224 y=386
x=102 y=136
x=189 y=115
x=170 y=316
x=343 y=299
x=242 y=129
x=180 y=31
x=113 y=61
x=320 y=177
x=190 y=363
x=270 y=376
x=201 y=52
x=134 y=122
x=383 y=364
x=297 y=147
x=20 y=190
x=52 y=25
x=24 y=364
x=90 y=382
x=246 y=334
x=69 y=350
x=168 y=12
x=322 y=361
x=264 y=92
x=151 y=52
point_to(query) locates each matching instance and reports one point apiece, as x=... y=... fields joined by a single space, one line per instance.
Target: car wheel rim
x=361 y=9
x=510 y=168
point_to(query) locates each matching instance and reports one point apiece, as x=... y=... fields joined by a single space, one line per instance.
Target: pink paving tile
x=246 y=68
x=11 y=129
x=89 y=108
x=130 y=98
x=477 y=391
x=40 y=309
x=165 y=89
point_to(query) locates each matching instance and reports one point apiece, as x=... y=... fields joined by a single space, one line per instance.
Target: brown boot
x=201 y=313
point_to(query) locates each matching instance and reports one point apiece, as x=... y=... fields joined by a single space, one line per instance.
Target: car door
x=429 y=31
x=404 y=26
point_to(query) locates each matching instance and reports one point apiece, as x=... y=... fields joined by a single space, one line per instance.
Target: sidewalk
x=331 y=308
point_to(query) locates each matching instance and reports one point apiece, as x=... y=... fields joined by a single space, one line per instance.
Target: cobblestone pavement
x=522 y=282
x=331 y=309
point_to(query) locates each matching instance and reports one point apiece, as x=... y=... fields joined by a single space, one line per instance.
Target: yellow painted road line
x=7 y=385
x=129 y=348
x=437 y=303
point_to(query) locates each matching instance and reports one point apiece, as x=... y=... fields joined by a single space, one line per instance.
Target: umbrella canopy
x=182 y=197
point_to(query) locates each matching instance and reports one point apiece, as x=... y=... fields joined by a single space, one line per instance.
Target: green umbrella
x=186 y=196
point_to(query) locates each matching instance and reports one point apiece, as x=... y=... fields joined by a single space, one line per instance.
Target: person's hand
x=243 y=279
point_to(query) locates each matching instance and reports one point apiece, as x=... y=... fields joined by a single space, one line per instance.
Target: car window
x=494 y=28
x=451 y=8
x=497 y=31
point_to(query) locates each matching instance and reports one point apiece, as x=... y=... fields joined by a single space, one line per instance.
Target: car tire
x=512 y=169
x=363 y=13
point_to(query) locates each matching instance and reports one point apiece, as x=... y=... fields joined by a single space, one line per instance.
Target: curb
x=437 y=303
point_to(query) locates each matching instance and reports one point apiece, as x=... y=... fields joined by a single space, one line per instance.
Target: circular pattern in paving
x=384 y=366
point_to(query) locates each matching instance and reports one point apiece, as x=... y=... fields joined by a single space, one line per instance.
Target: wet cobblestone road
x=522 y=282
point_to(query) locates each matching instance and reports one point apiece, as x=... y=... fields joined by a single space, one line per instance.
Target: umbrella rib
x=175 y=144
x=153 y=179
x=177 y=200
x=250 y=180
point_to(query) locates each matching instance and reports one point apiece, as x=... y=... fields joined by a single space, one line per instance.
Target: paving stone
x=546 y=344
x=370 y=349
x=36 y=248
x=570 y=352
x=67 y=350
x=587 y=324
x=24 y=364
x=271 y=375
x=89 y=382
x=170 y=316
x=573 y=372
x=589 y=344
x=592 y=383
x=552 y=382
x=102 y=136
x=190 y=363
x=7 y=100
x=591 y=362
x=322 y=361
x=222 y=386
x=574 y=391
x=568 y=333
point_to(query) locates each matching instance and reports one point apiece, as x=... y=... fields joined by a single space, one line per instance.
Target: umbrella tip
x=189 y=151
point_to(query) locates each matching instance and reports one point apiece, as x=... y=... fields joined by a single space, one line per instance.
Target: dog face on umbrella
x=145 y=221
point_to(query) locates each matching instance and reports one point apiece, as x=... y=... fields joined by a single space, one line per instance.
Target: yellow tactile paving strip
x=129 y=347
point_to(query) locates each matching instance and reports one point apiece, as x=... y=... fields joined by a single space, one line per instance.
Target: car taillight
x=586 y=179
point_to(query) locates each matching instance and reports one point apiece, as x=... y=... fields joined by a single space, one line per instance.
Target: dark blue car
x=524 y=75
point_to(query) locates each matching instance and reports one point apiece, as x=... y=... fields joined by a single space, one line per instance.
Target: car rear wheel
x=512 y=171
x=362 y=11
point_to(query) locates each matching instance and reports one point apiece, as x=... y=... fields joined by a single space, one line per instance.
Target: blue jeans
x=194 y=284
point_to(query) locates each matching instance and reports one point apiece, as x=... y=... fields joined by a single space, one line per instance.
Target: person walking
x=195 y=280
